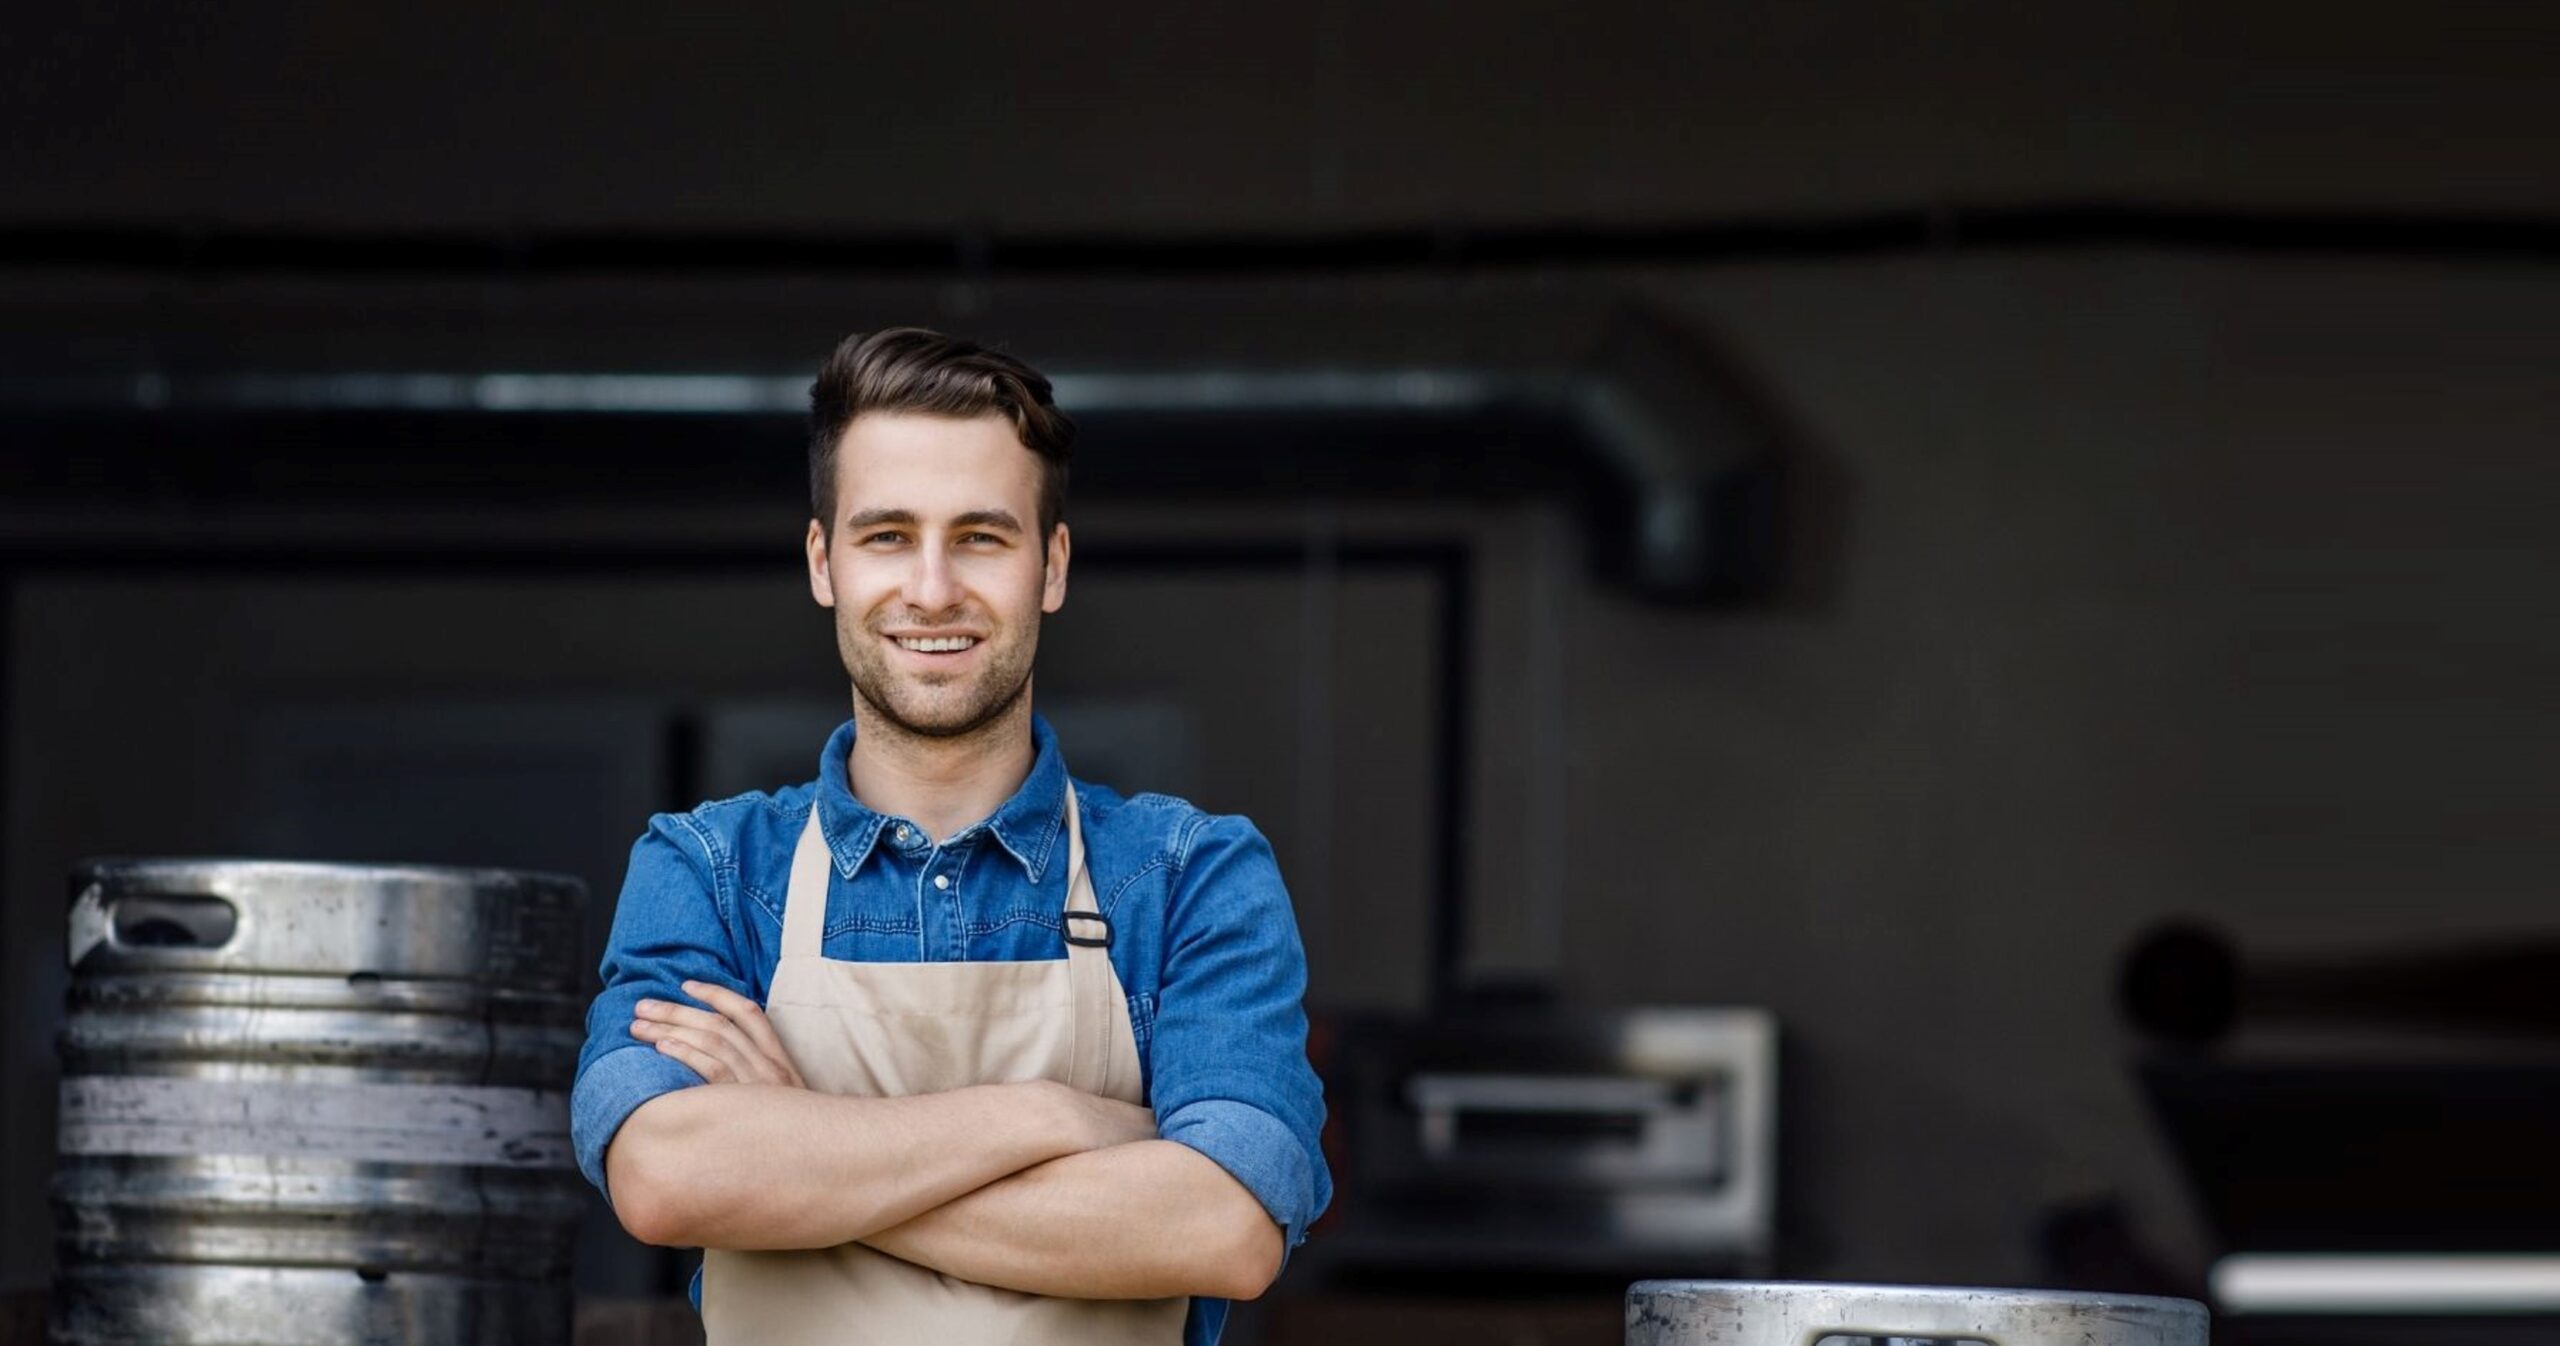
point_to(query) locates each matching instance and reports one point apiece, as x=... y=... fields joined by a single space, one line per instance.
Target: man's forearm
x=1148 y=1220
x=756 y=1166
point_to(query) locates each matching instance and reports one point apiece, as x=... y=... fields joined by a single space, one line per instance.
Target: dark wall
x=1265 y=118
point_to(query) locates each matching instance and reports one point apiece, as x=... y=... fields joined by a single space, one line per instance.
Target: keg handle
x=195 y=922
x=1871 y=1336
x=1834 y=1336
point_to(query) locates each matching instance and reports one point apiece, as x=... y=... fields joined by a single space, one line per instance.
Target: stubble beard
x=943 y=710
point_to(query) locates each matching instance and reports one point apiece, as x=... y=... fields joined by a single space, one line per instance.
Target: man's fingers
x=721 y=998
x=700 y=1021
x=750 y=1019
x=711 y=1068
x=737 y=1009
x=738 y=1062
x=678 y=1016
x=734 y=1031
x=702 y=1024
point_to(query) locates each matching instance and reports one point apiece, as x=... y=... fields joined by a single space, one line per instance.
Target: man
x=945 y=1046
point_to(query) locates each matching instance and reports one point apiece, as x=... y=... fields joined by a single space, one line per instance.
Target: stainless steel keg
x=307 y=1103
x=1783 y=1313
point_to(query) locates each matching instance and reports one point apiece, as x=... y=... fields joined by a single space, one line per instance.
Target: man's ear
x=1053 y=579
x=822 y=586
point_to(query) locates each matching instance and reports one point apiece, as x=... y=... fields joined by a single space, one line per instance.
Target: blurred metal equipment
x=1780 y=1313
x=1533 y=1141
x=2343 y=1284
x=307 y=1103
x=2364 y=1130
x=2186 y=982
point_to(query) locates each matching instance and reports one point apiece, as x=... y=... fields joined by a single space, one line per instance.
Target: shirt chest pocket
x=856 y=931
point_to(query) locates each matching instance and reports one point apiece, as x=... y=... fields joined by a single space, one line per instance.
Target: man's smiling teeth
x=938 y=644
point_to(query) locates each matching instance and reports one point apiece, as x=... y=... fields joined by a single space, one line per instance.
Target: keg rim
x=1788 y=1289
x=492 y=925
x=93 y=869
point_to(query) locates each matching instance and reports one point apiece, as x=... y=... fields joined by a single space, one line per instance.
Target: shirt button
x=942 y=881
x=906 y=834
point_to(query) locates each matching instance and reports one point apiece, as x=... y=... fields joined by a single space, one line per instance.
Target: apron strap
x=1089 y=979
x=804 y=903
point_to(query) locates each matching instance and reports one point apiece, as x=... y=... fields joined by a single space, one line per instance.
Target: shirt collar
x=1028 y=825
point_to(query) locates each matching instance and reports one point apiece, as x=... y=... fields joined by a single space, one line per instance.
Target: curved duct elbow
x=1696 y=461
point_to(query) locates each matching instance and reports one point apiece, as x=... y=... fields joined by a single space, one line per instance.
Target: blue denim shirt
x=1202 y=938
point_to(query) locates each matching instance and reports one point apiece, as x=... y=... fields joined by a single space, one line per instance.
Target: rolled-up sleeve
x=1229 y=1051
x=668 y=928
x=609 y=1090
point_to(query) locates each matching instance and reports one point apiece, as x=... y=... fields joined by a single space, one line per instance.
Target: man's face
x=936 y=569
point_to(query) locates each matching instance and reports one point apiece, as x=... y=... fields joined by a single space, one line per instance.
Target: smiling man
x=946 y=1045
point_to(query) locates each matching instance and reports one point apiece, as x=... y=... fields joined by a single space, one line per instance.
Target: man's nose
x=932 y=587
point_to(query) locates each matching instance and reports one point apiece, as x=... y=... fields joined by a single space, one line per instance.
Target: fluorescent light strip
x=2354 y=1283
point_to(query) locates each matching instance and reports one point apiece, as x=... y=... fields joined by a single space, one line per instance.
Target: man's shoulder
x=1162 y=828
x=722 y=829
x=1135 y=817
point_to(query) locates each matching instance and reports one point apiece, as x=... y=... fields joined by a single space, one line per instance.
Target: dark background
x=2167 y=390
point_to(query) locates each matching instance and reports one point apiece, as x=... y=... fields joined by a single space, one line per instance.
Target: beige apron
x=886 y=1030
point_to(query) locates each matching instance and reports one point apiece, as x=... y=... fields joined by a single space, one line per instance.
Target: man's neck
x=943 y=784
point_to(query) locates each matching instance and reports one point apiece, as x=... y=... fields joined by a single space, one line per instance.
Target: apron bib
x=888 y=1030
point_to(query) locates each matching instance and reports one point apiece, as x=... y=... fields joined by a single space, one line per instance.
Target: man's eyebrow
x=906 y=518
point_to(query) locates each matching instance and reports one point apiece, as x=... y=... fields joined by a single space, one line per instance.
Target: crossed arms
x=1033 y=1187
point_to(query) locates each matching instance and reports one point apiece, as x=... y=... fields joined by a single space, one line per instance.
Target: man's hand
x=730 y=1043
x=1104 y=1122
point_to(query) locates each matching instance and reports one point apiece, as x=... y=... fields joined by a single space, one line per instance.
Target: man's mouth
x=935 y=644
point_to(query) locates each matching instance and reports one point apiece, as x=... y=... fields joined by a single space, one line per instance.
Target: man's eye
x=976 y=538
x=875 y=539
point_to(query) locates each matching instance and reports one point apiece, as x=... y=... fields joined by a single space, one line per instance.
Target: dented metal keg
x=308 y=1103
x=1812 y=1313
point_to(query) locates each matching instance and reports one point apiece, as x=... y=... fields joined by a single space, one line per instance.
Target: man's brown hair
x=913 y=370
